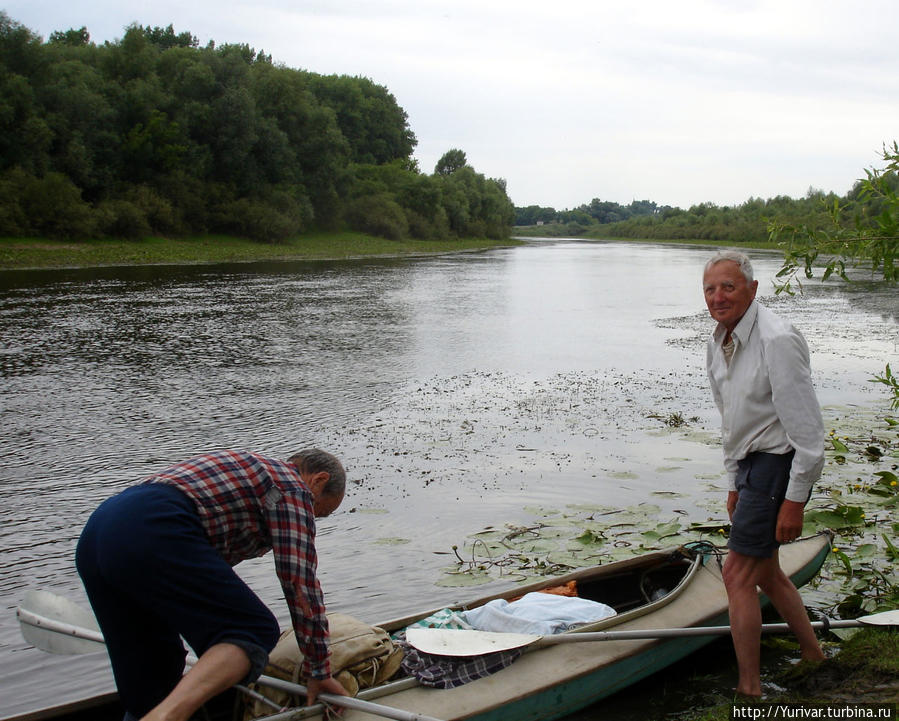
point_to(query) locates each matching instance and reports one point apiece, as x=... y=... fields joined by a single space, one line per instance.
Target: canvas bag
x=361 y=656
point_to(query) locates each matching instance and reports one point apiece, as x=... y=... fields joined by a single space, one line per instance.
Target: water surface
x=461 y=391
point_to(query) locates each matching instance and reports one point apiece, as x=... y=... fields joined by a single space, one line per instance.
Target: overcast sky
x=676 y=101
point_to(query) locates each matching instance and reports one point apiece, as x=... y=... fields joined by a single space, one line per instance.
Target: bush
x=122 y=219
x=378 y=215
x=55 y=208
x=13 y=220
x=293 y=202
x=256 y=220
x=426 y=228
x=157 y=211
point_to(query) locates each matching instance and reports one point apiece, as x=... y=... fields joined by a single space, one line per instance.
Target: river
x=462 y=391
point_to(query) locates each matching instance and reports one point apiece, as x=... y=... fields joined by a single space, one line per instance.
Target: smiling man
x=773 y=438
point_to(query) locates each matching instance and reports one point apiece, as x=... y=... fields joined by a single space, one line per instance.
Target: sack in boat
x=568 y=590
x=361 y=656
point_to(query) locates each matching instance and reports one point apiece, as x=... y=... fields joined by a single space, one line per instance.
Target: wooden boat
x=678 y=588
x=555 y=681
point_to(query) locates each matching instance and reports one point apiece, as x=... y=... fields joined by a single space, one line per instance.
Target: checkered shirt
x=249 y=505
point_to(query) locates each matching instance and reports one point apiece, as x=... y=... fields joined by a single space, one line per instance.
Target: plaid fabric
x=451 y=671
x=249 y=505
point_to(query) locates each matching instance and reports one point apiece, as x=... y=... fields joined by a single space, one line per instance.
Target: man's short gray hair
x=738 y=257
x=314 y=460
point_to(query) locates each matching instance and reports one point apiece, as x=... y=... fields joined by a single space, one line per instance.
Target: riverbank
x=599 y=233
x=864 y=669
x=37 y=253
x=30 y=253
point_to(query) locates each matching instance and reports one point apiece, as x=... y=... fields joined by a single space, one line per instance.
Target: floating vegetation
x=674 y=420
x=581 y=535
x=857 y=498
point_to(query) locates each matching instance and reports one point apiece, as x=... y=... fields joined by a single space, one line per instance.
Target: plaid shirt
x=249 y=505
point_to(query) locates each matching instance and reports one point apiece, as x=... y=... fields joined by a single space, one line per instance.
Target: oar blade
x=886 y=618
x=53 y=642
x=57 y=625
x=460 y=642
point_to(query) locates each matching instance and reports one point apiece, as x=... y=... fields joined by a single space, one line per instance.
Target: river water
x=461 y=391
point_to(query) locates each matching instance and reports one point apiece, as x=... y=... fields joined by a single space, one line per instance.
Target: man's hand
x=731 y=503
x=329 y=685
x=789 y=521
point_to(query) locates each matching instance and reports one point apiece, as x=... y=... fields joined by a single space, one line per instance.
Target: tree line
x=748 y=222
x=154 y=135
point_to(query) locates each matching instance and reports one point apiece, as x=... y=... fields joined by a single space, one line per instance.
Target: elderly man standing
x=773 y=438
x=156 y=561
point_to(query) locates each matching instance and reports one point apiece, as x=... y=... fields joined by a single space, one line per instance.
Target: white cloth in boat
x=537 y=613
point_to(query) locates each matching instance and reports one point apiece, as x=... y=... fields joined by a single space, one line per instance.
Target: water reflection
x=429 y=376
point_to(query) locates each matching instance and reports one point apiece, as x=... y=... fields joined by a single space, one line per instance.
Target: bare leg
x=741 y=575
x=222 y=666
x=786 y=599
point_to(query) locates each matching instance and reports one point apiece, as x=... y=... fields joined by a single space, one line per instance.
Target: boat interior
x=625 y=586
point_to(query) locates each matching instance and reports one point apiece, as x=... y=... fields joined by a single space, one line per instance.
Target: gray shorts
x=762 y=480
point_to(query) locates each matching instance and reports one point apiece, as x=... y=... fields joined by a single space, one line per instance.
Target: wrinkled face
x=727 y=293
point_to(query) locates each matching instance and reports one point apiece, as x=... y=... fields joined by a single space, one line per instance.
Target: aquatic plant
x=856 y=499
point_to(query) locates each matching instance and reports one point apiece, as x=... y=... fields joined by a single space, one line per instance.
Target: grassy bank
x=21 y=253
x=863 y=669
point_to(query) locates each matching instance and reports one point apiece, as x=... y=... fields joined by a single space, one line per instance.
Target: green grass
x=864 y=669
x=22 y=253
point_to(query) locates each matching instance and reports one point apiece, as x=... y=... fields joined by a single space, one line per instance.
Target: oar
x=53 y=623
x=459 y=642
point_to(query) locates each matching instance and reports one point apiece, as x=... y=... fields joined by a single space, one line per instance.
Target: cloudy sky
x=676 y=101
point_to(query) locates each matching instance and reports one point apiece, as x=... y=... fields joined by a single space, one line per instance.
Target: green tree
x=55 y=208
x=378 y=214
x=83 y=123
x=152 y=148
x=74 y=38
x=166 y=38
x=872 y=236
x=450 y=162
x=374 y=125
x=20 y=49
x=153 y=134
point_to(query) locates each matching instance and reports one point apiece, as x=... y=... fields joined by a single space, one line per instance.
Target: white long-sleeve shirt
x=766 y=398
